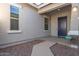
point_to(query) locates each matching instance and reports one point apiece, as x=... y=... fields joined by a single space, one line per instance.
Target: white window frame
x=44 y=23
x=14 y=31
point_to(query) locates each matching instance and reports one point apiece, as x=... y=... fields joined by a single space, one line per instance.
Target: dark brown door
x=62 y=26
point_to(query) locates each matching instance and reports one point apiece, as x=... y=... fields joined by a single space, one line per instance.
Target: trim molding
x=38 y=5
x=14 y=43
x=18 y=42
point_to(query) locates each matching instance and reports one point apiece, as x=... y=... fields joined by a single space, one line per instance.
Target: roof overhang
x=38 y=5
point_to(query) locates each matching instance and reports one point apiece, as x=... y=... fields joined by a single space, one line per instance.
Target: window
x=46 y=24
x=14 y=18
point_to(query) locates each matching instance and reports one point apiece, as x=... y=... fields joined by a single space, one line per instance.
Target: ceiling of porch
x=48 y=7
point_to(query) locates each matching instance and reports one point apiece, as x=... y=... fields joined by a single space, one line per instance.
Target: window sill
x=14 y=31
x=46 y=30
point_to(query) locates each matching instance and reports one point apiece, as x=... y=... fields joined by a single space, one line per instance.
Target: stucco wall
x=66 y=11
x=31 y=24
x=75 y=17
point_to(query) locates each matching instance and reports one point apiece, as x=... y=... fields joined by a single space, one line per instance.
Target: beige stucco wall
x=54 y=23
x=75 y=17
x=74 y=27
x=31 y=24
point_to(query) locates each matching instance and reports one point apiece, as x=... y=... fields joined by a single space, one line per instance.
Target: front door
x=62 y=26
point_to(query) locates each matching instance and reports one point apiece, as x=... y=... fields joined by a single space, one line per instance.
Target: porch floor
x=41 y=47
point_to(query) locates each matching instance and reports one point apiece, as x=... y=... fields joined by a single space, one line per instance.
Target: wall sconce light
x=77 y=17
x=75 y=9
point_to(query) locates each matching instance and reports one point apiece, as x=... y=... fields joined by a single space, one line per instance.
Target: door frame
x=66 y=23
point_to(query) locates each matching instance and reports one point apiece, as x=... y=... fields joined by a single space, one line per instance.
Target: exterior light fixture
x=58 y=9
x=75 y=8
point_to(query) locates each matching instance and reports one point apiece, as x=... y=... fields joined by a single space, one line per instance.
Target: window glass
x=46 y=23
x=14 y=18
